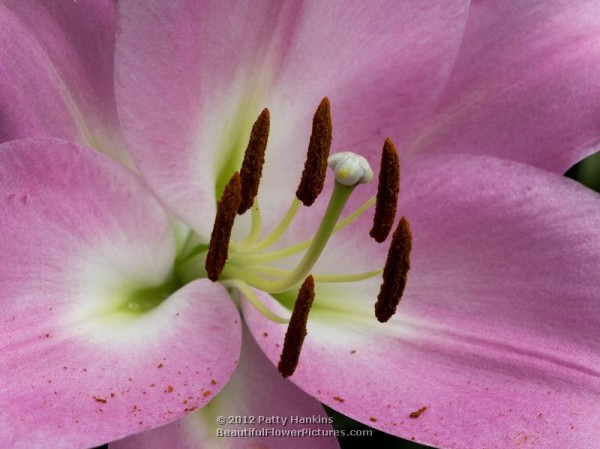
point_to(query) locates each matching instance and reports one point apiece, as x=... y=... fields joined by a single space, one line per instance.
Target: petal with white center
x=255 y=400
x=192 y=78
x=495 y=341
x=95 y=344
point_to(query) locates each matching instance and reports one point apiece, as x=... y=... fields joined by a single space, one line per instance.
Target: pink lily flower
x=109 y=325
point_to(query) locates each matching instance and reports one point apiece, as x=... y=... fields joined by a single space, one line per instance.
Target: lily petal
x=497 y=331
x=193 y=77
x=525 y=86
x=82 y=240
x=57 y=73
x=255 y=396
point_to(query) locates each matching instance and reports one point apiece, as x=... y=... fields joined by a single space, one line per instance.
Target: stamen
x=394 y=272
x=387 y=193
x=296 y=248
x=315 y=167
x=296 y=331
x=269 y=271
x=221 y=233
x=245 y=289
x=339 y=198
x=254 y=159
x=280 y=228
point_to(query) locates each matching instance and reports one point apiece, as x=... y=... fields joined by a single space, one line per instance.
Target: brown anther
x=296 y=331
x=254 y=159
x=387 y=193
x=395 y=270
x=221 y=233
x=315 y=167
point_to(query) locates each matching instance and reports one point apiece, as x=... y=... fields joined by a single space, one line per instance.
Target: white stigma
x=350 y=168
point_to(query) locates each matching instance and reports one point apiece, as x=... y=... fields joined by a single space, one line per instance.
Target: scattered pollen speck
x=152 y=385
x=373 y=419
x=160 y=365
x=213 y=382
x=337 y=398
x=47 y=335
x=206 y=393
x=170 y=389
x=418 y=413
x=266 y=334
x=112 y=395
x=100 y=400
x=353 y=351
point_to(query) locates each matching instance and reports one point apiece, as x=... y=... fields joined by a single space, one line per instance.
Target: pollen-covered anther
x=221 y=233
x=315 y=167
x=296 y=331
x=350 y=168
x=387 y=193
x=254 y=159
x=395 y=272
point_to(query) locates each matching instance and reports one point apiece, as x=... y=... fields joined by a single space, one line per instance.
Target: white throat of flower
x=247 y=264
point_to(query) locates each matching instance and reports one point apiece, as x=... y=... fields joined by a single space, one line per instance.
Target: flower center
x=250 y=263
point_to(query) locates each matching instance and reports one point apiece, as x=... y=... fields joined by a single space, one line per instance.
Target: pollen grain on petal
x=387 y=193
x=395 y=272
x=221 y=233
x=296 y=331
x=254 y=159
x=315 y=167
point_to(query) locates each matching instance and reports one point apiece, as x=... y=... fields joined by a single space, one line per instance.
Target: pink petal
x=193 y=77
x=57 y=72
x=255 y=395
x=497 y=331
x=80 y=234
x=525 y=86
